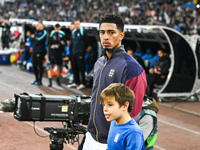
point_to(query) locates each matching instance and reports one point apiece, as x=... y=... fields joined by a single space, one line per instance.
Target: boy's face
x=110 y=36
x=112 y=110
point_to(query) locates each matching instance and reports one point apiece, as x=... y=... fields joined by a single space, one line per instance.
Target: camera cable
x=38 y=133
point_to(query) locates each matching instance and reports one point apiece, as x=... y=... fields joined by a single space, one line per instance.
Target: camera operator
x=56 y=44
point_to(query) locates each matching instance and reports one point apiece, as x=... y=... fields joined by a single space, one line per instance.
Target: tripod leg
x=56 y=146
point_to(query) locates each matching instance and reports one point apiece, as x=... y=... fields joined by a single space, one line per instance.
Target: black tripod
x=60 y=135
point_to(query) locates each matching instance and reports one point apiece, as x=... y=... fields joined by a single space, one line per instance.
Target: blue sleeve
x=135 y=141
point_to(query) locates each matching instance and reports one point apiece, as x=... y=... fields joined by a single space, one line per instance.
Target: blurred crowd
x=182 y=15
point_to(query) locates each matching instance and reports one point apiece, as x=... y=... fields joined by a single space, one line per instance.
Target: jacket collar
x=118 y=51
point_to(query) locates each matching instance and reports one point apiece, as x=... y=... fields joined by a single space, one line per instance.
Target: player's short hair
x=113 y=18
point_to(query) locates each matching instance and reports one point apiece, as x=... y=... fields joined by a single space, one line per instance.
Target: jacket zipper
x=96 y=103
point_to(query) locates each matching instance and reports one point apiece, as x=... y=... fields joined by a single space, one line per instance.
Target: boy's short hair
x=113 y=18
x=120 y=92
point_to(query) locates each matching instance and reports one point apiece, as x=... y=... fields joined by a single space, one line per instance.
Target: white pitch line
x=31 y=124
x=179 y=127
x=182 y=109
x=10 y=86
x=45 y=132
x=67 y=144
x=158 y=147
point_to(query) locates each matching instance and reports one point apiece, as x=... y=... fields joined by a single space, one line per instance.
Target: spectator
x=131 y=52
x=117 y=100
x=27 y=51
x=148 y=54
x=115 y=66
x=68 y=55
x=148 y=120
x=90 y=59
x=56 y=44
x=175 y=15
x=39 y=52
x=91 y=55
x=152 y=61
x=78 y=46
x=5 y=37
x=15 y=39
x=158 y=74
x=138 y=52
x=66 y=60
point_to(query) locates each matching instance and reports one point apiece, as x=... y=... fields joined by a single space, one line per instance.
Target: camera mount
x=67 y=135
x=60 y=108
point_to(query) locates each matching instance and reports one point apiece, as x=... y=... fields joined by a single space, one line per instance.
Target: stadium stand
x=182 y=15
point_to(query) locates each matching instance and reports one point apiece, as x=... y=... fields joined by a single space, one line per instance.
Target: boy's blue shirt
x=126 y=136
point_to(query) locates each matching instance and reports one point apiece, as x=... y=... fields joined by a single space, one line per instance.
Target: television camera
x=72 y=110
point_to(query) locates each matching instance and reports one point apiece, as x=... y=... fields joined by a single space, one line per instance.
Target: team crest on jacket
x=111 y=73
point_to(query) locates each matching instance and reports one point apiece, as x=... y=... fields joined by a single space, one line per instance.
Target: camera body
x=38 y=107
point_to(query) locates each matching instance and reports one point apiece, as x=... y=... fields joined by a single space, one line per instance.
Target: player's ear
x=122 y=34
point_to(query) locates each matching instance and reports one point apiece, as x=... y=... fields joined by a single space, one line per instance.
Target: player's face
x=110 y=36
x=112 y=110
x=71 y=27
x=77 y=24
x=57 y=29
x=39 y=26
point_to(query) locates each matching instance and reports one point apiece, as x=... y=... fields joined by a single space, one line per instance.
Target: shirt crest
x=111 y=73
x=116 y=137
